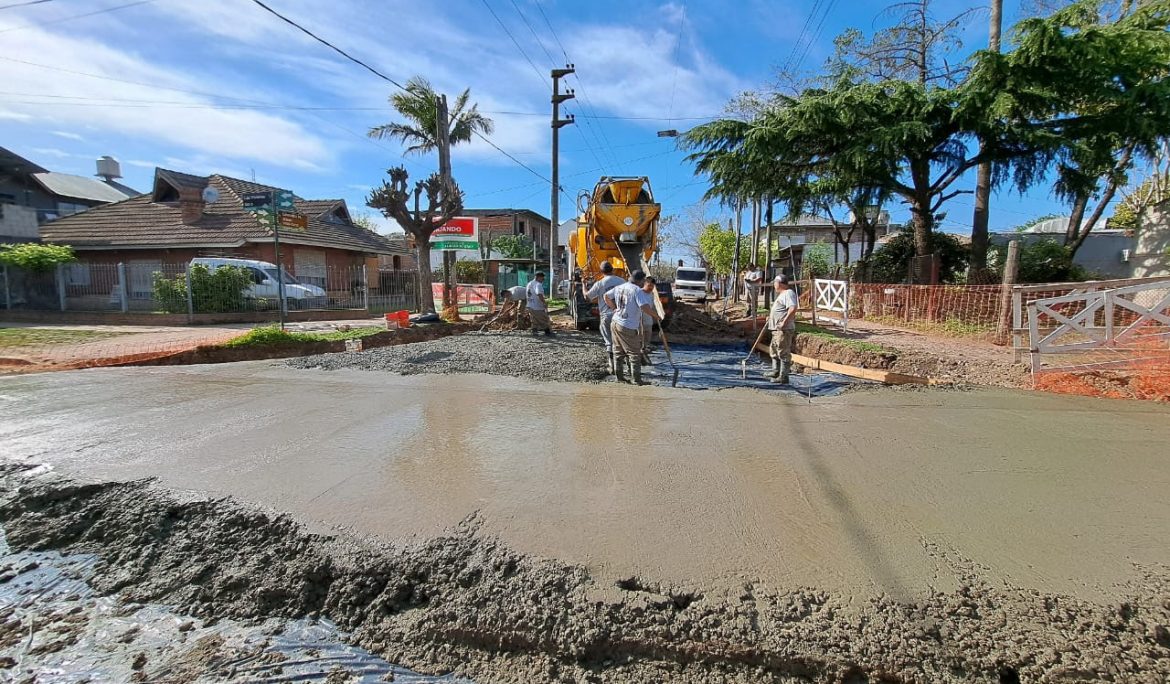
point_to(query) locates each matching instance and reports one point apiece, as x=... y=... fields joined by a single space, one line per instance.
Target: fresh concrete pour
x=920 y=536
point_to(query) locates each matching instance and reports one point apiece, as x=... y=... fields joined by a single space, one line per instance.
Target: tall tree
x=420 y=130
x=431 y=127
x=1088 y=95
x=398 y=201
x=980 y=217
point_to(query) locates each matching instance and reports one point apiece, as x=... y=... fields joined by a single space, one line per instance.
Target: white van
x=690 y=283
x=264 y=282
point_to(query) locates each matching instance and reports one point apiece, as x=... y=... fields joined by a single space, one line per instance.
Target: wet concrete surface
x=846 y=493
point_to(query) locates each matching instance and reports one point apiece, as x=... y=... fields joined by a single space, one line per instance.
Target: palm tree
x=417 y=106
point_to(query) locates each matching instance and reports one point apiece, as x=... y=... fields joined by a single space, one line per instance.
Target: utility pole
x=735 y=255
x=768 y=275
x=982 y=215
x=557 y=124
x=756 y=232
x=443 y=142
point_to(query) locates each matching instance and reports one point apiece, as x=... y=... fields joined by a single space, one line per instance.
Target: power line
x=552 y=62
x=515 y=42
x=71 y=18
x=329 y=45
x=800 y=37
x=816 y=35
x=501 y=151
x=23 y=4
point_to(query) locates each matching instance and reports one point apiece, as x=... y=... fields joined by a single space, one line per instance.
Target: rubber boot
x=610 y=365
x=636 y=366
x=775 y=370
x=619 y=369
x=785 y=369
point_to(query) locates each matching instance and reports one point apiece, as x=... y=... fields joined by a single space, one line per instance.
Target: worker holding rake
x=782 y=323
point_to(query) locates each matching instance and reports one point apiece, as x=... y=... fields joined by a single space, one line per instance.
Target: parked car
x=297 y=295
x=691 y=283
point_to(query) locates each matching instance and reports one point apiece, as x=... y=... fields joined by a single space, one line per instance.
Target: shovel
x=666 y=347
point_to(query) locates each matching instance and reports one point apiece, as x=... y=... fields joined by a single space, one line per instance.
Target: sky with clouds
x=222 y=86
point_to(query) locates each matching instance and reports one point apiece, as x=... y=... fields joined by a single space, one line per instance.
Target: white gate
x=831 y=295
x=1132 y=320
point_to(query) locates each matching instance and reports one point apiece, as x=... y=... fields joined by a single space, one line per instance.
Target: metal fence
x=153 y=287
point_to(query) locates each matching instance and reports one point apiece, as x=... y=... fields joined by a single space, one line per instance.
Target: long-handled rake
x=751 y=350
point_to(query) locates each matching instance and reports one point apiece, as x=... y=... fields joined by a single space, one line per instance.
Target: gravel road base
x=466 y=604
x=567 y=357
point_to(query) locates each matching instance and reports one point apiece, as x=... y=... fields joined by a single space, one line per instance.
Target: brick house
x=494 y=223
x=175 y=223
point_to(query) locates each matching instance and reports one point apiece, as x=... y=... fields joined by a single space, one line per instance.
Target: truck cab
x=690 y=283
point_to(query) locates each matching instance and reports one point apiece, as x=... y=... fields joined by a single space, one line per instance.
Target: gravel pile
x=568 y=357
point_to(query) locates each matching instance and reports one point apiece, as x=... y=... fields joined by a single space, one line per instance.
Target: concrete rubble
x=466 y=604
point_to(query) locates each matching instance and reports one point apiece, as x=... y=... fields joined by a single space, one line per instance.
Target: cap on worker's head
x=639 y=276
x=781 y=279
x=606 y=267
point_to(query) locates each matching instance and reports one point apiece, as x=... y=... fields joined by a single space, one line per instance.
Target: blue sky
x=221 y=86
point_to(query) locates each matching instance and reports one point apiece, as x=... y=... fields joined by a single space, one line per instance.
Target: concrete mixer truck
x=618 y=223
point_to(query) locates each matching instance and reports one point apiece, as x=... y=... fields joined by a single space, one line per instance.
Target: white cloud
x=187 y=121
x=140 y=163
x=9 y=115
x=67 y=134
x=54 y=152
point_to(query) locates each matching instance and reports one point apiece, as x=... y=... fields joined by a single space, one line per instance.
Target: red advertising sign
x=460 y=227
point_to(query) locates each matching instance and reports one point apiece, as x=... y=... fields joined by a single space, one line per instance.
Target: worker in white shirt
x=514 y=298
x=597 y=294
x=752 y=281
x=782 y=323
x=651 y=289
x=538 y=306
x=629 y=301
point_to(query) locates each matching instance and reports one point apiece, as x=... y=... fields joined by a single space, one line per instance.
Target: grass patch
x=273 y=335
x=858 y=345
x=555 y=303
x=28 y=337
x=951 y=327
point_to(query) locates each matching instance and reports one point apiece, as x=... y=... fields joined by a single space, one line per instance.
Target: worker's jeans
x=627 y=343
x=753 y=299
x=606 y=333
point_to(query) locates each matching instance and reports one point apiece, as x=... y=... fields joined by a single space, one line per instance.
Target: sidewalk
x=108 y=345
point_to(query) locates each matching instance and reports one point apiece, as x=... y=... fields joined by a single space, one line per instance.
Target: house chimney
x=108 y=168
x=191 y=205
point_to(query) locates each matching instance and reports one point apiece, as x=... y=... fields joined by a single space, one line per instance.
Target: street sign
x=292 y=221
x=257 y=201
x=285 y=200
x=460 y=233
x=456 y=245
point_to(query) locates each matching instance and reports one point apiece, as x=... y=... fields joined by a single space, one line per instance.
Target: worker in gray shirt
x=597 y=294
x=782 y=323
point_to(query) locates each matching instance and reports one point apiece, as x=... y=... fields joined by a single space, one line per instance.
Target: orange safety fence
x=468 y=298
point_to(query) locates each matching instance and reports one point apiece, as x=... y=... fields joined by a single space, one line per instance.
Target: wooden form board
x=886 y=377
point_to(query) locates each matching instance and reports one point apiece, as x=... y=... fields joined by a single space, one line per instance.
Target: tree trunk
x=921 y=216
x=1074 y=220
x=982 y=214
x=426 y=300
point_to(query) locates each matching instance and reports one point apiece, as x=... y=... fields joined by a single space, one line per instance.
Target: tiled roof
x=142 y=222
x=79 y=187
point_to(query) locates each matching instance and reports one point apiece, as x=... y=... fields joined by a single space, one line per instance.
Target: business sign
x=292 y=221
x=459 y=233
x=257 y=201
x=456 y=245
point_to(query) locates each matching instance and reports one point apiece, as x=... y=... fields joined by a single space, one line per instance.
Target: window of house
x=67 y=208
x=397 y=261
x=520 y=228
x=310 y=266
